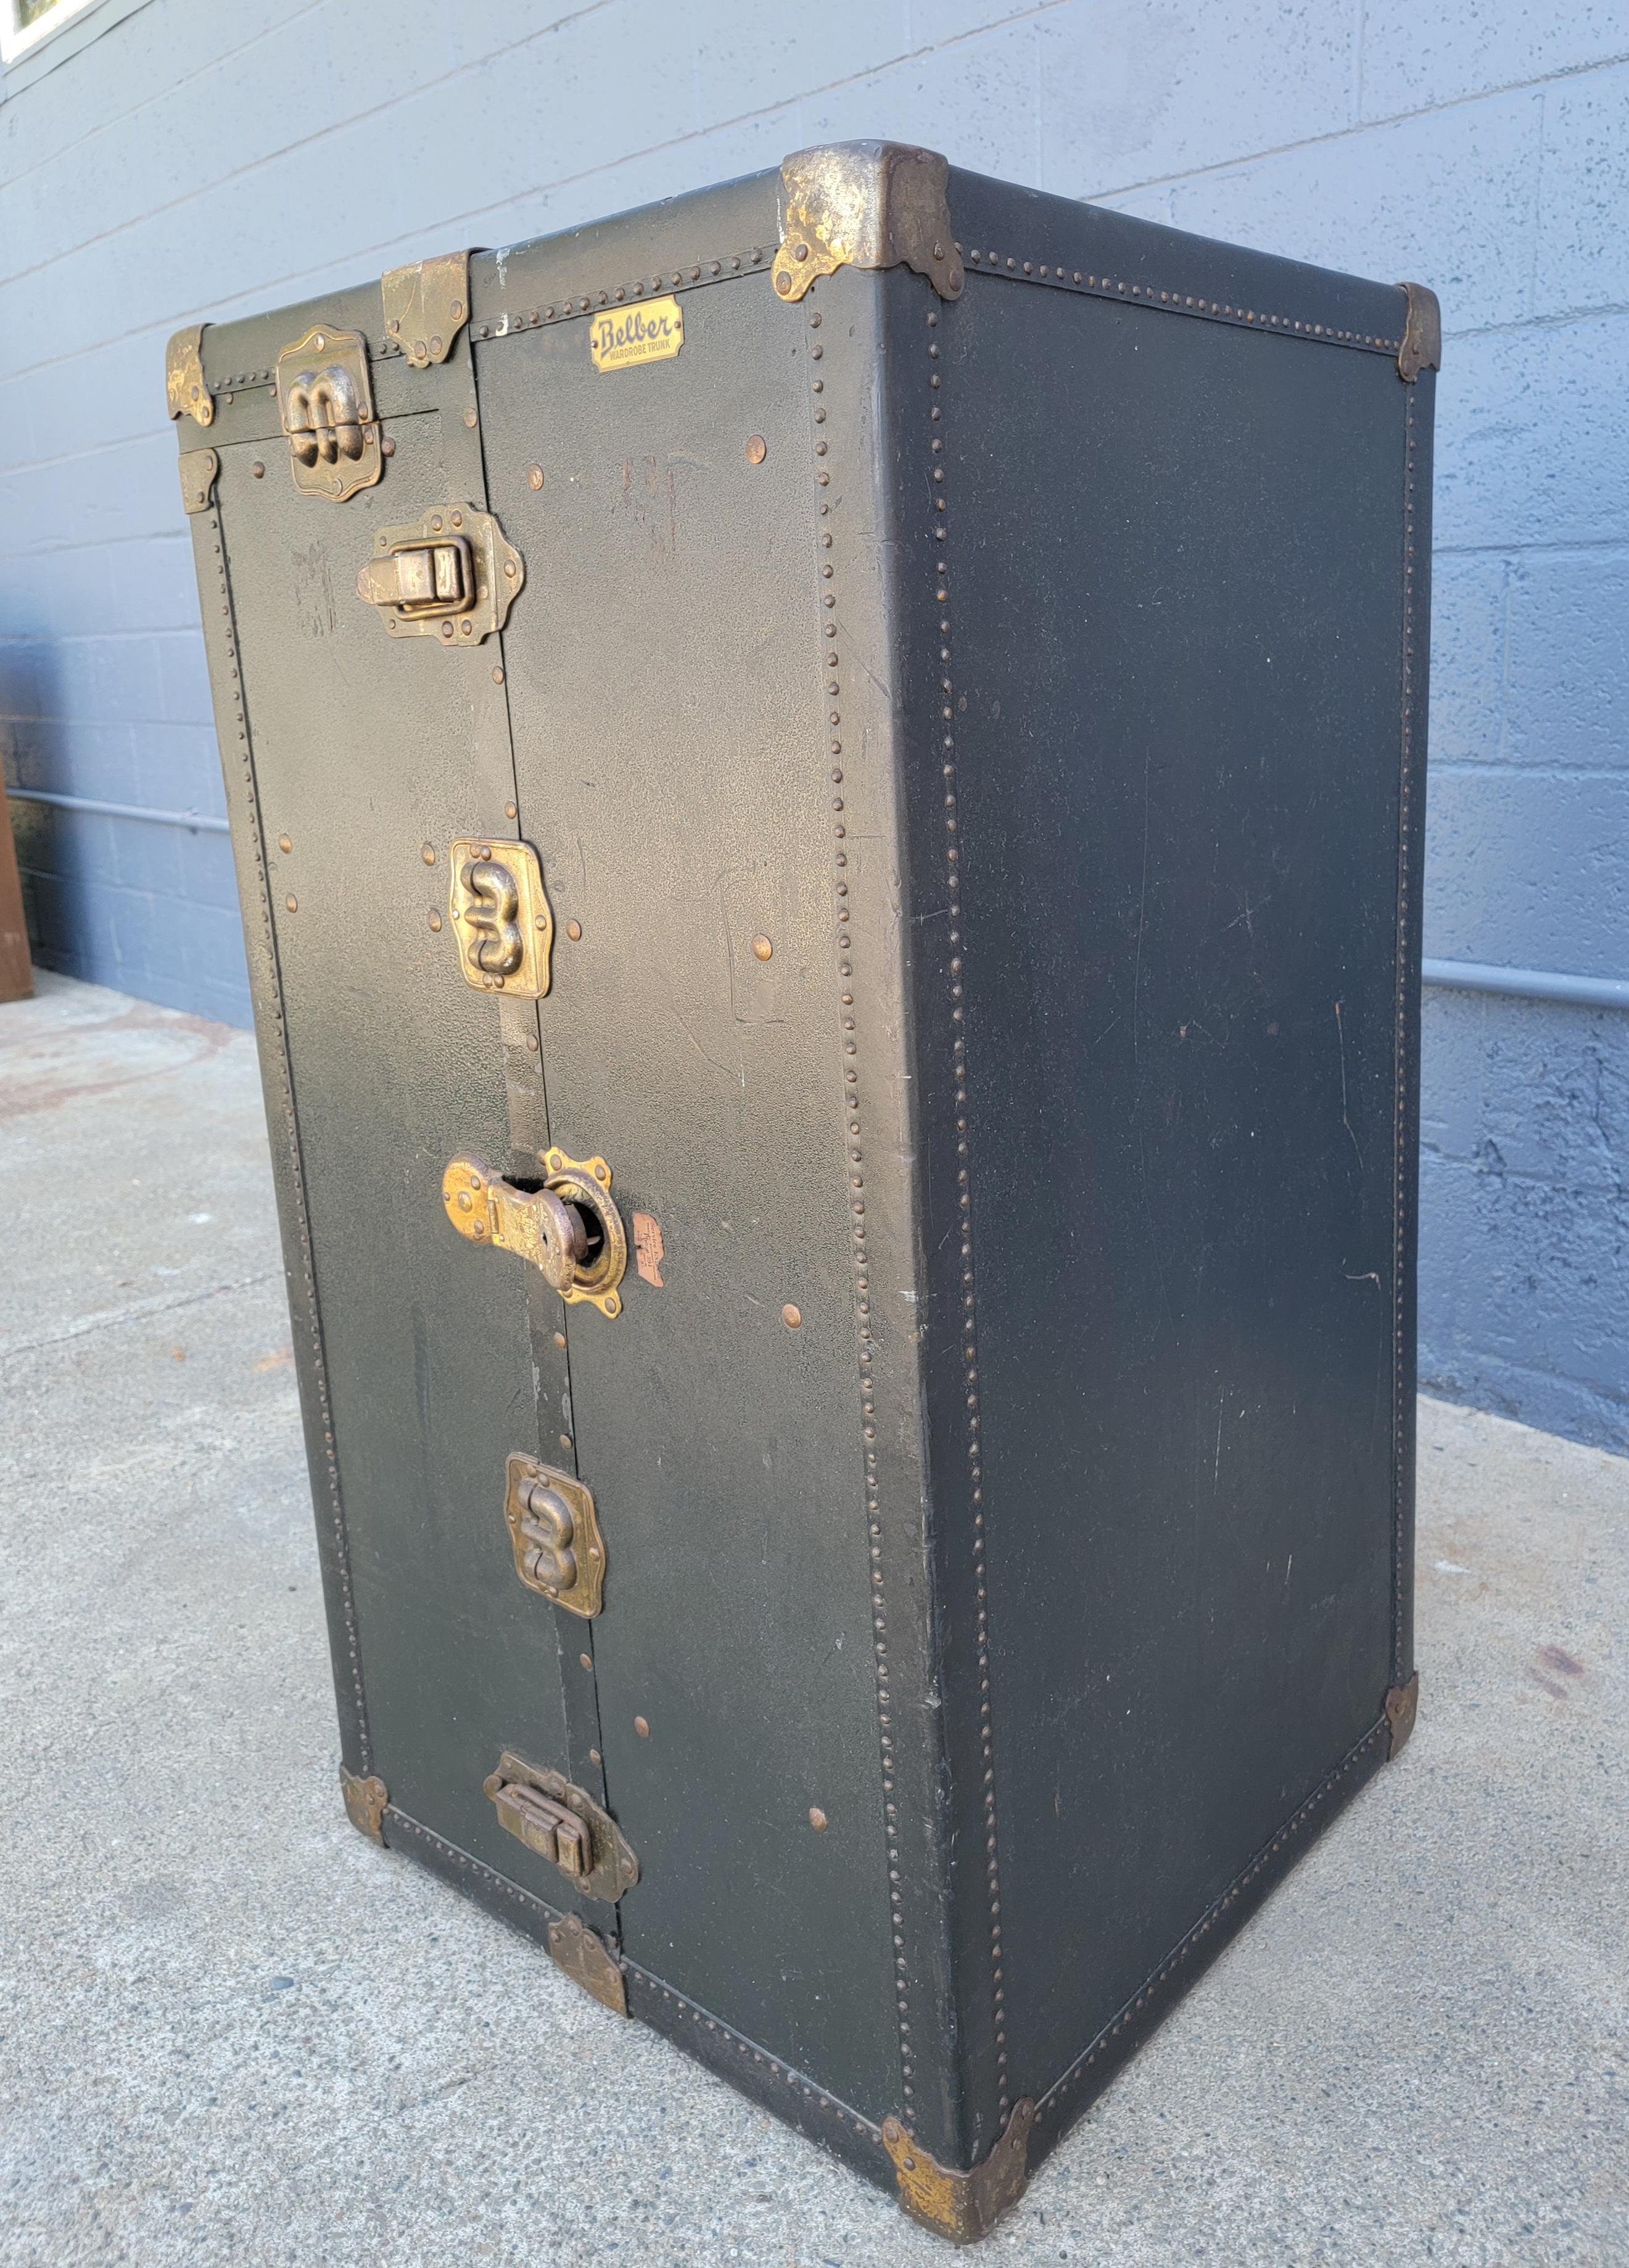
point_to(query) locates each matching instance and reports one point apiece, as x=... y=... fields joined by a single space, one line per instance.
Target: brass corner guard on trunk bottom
x=589 y=1962
x=364 y=1803
x=865 y=205
x=1402 y=1708
x=962 y=2207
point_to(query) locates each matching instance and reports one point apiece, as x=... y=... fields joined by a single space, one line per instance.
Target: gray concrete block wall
x=199 y=161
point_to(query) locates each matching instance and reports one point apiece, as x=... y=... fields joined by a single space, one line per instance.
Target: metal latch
x=562 y=1823
x=326 y=399
x=553 y=1526
x=568 y=1228
x=501 y=916
x=450 y=575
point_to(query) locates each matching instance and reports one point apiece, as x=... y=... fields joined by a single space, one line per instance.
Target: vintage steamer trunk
x=827 y=789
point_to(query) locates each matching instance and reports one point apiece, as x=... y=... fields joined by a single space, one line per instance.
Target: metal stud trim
x=277 y=1038
x=1013 y=269
x=750 y=2052
x=1402 y=1161
x=831 y=680
x=969 y=1339
x=1298 y=1820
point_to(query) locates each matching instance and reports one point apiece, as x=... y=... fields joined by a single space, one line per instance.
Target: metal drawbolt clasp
x=568 y=1228
x=562 y=1823
x=452 y=576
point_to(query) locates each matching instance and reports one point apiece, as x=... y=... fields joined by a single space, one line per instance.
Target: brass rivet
x=497 y=678
x=791 y=1317
x=510 y=811
x=799 y=251
x=817 y=1818
x=560 y=1338
x=762 y=947
x=470 y=417
x=783 y=283
x=534 y=476
x=509 y=569
x=426 y=851
x=594 y=1757
x=387 y=447
x=258 y=469
x=757 y=449
x=465 y=1200
x=565 y=1440
x=602 y=1173
x=435 y=919
x=293 y=904
x=587 y=1660
x=458 y=520
x=573 y=931
x=641 y=1728
x=283 y=842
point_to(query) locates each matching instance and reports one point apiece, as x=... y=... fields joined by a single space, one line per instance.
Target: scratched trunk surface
x=979 y=748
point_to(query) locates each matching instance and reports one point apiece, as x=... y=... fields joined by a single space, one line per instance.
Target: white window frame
x=18 y=40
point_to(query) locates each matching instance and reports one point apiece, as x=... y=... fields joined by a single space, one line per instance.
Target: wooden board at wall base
x=17 y=975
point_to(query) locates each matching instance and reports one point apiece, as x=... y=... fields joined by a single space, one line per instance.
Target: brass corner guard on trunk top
x=1422 y=333
x=587 y=1960
x=364 y=1803
x=865 y=205
x=426 y=306
x=962 y=2207
x=183 y=377
x=1402 y=1708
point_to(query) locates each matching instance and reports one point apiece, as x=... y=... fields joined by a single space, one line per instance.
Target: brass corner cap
x=962 y=2207
x=1402 y=1708
x=364 y=1803
x=426 y=306
x=1422 y=333
x=865 y=204
x=184 y=385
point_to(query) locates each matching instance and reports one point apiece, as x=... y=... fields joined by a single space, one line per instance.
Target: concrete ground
x=232 y=2031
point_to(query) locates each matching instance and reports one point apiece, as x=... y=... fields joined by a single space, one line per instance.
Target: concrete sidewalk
x=232 y=2031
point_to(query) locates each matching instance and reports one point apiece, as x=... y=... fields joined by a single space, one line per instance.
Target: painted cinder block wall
x=195 y=161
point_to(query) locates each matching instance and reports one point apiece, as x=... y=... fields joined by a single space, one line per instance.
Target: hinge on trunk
x=554 y=1530
x=1402 y=1708
x=962 y=2207
x=326 y=401
x=589 y=1962
x=865 y=204
x=1422 y=333
x=426 y=306
x=364 y=1803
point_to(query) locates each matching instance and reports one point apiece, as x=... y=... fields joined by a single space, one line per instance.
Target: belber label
x=648 y=334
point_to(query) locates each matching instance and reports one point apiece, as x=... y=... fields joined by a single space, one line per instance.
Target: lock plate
x=559 y=1550
x=501 y=916
x=450 y=575
x=325 y=398
x=546 y=1226
x=562 y=1823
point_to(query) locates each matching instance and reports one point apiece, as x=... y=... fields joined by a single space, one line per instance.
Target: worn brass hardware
x=564 y=1824
x=1422 y=333
x=364 y=1803
x=1402 y=1708
x=326 y=401
x=865 y=205
x=570 y=1228
x=200 y=468
x=184 y=385
x=501 y=916
x=450 y=575
x=426 y=306
x=589 y=1962
x=962 y=2207
x=559 y=1550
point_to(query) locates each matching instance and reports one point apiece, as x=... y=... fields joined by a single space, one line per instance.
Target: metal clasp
x=562 y=1823
x=450 y=575
x=568 y=1228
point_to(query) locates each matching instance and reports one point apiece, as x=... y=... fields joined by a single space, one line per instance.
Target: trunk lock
x=569 y=1227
